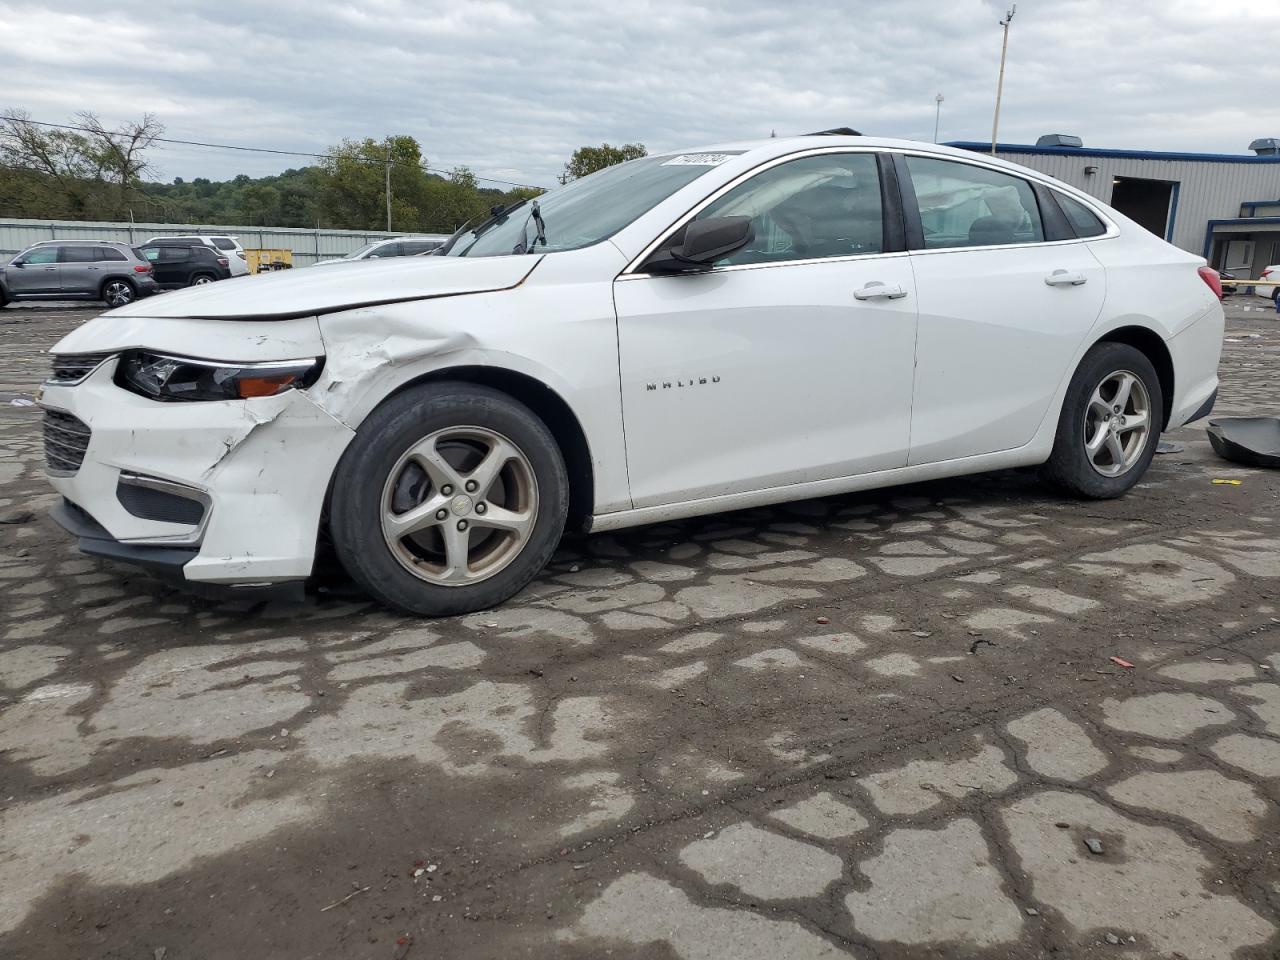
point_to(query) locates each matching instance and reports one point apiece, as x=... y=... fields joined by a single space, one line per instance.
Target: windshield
x=354 y=254
x=589 y=210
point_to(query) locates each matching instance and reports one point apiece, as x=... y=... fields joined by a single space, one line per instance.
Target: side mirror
x=18 y=263
x=704 y=242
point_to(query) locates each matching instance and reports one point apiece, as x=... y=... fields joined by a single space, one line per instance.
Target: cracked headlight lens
x=162 y=377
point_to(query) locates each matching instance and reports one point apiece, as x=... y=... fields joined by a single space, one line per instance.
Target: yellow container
x=267 y=261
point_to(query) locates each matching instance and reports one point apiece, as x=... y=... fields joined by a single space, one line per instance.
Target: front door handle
x=1065 y=278
x=875 y=289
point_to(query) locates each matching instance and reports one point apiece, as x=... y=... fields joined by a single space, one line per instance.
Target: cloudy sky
x=511 y=88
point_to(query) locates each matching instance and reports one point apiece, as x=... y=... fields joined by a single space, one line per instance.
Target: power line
x=281 y=153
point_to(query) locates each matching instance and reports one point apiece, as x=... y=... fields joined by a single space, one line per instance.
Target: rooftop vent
x=1059 y=140
x=1266 y=147
x=835 y=132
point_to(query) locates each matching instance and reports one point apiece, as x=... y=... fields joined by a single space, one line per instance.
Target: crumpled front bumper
x=259 y=468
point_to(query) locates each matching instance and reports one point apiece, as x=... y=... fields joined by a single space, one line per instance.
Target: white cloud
x=512 y=88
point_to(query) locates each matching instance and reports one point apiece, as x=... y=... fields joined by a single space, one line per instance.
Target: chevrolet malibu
x=700 y=331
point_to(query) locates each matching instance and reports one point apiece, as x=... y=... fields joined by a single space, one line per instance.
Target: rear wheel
x=451 y=498
x=200 y=279
x=1110 y=423
x=117 y=293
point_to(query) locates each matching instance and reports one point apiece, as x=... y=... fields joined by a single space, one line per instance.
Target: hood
x=344 y=286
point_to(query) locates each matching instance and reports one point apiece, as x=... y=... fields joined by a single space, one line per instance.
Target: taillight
x=1210 y=277
x=1265 y=274
x=223 y=261
x=142 y=268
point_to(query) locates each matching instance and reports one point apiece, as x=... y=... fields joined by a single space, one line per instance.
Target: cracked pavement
x=879 y=725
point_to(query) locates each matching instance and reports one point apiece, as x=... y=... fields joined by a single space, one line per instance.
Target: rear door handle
x=875 y=289
x=1065 y=278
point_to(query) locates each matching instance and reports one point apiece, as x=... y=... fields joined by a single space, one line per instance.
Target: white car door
x=1002 y=309
x=791 y=359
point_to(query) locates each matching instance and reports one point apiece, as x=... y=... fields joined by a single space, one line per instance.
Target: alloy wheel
x=459 y=505
x=117 y=293
x=201 y=281
x=1117 y=423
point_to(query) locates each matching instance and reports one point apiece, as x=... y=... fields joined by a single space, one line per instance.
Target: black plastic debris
x=1251 y=440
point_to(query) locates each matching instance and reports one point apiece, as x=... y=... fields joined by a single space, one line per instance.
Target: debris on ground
x=1251 y=440
x=1032 y=912
x=1170 y=446
x=1121 y=662
x=973 y=647
x=337 y=903
x=824 y=620
x=1221 y=482
x=1112 y=939
x=17 y=516
x=21 y=402
x=1094 y=845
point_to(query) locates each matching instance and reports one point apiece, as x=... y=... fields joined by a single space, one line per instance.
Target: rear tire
x=118 y=293
x=1110 y=424
x=450 y=499
x=200 y=279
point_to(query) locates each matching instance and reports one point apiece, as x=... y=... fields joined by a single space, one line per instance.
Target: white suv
x=229 y=245
x=1272 y=273
x=414 y=246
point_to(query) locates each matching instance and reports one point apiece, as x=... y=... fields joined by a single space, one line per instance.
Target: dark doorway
x=1149 y=202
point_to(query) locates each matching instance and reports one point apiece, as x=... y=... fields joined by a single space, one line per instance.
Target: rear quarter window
x=1083 y=220
x=110 y=253
x=224 y=243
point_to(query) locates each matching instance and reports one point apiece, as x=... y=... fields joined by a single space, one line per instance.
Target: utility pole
x=1004 y=48
x=937 y=116
x=388 y=188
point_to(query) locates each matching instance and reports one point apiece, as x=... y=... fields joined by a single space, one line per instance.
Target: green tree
x=587 y=160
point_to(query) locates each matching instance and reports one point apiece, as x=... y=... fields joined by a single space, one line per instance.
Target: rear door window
x=962 y=205
x=1083 y=220
x=109 y=253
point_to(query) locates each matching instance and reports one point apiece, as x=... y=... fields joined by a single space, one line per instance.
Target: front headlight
x=162 y=377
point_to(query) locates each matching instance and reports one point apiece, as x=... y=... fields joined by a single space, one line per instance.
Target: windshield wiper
x=497 y=214
x=535 y=214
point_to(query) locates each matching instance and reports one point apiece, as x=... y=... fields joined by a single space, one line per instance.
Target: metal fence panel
x=308 y=246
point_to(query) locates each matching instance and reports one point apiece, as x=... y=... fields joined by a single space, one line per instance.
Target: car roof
x=94 y=243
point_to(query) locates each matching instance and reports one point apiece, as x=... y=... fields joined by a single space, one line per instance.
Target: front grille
x=71 y=368
x=151 y=504
x=65 y=441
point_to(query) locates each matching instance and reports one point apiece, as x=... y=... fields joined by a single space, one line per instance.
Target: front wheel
x=117 y=293
x=451 y=498
x=1110 y=423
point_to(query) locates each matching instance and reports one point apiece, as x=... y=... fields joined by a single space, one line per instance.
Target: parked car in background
x=772 y=320
x=237 y=260
x=395 y=247
x=186 y=265
x=77 y=270
x=1228 y=283
x=1272 y=273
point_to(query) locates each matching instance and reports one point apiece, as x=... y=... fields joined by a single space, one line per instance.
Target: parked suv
x=77 y=270
x=228 y=246
x=395 y=247
x=186 y=265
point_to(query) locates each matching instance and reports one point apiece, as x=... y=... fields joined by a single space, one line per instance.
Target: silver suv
x=77 y=270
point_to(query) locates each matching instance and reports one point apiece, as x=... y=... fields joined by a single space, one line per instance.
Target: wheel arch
x=1153 y=347
x=112 y=279
x=551 y=409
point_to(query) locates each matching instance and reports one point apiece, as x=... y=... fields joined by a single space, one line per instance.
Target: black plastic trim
x=94 y=539
x=1054 y=221
x=895 y=231
x=910 y=205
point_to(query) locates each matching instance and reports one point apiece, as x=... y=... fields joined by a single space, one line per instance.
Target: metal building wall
x=1208 y=190
x=308 y=246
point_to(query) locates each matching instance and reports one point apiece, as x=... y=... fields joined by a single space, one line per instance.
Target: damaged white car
x=681 y=334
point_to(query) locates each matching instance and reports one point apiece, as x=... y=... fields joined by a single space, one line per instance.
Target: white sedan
x=681 y=334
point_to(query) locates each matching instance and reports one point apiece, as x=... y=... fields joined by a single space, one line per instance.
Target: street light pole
x=1004 y=48
x=937 y=116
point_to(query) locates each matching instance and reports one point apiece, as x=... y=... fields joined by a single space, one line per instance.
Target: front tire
x=118 y=293
x=451 y=498
x=1110 y=423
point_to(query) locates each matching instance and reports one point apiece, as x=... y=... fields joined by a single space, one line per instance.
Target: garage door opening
x=1149 y=202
